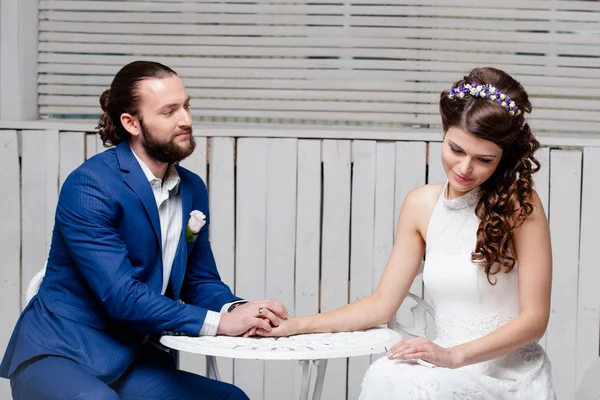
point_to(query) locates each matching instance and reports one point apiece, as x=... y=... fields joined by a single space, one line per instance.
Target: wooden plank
x=335 y=248
x=350 y=20
x=283 y=51
x=308 y=228
x=430 y=96
x=196 y=163
x=333 y=42
x=411 y=171
x=72 y=153
x=436 y=173
x=18 y=52
x=527 y=4
x=282 y=171
x=221 y=193
x=588 y=302
x=321 y=31
x=251 y=233
x=565 y=190
x=308 y=234
x=362 y=242
x=542 y=187
x=10 y=241
x=384 y=225
x=320 y=9
x=39 y=196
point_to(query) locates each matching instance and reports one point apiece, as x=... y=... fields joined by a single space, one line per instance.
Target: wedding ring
x=260 y=311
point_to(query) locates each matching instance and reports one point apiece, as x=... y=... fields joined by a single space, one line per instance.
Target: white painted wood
x=196 y=163
x=542 y=187
x=335 y=247
x=308 y=235
x=282 y=171
x=362 y=242
x=72 y=152
x=436 y=173
x=551 y=139
x=440 y=11
x=221 y=193
x=565 y=190
x=251 y=233
x=90 y=145
x=18 y=55
x=39 y=196
x=411 y=169
x=528 y=4
x=588 y=302
x=10 y=241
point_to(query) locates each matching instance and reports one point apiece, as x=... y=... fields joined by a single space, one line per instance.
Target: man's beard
x=168 y=152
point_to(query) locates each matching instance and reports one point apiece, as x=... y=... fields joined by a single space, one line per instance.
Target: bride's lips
x=461 y=178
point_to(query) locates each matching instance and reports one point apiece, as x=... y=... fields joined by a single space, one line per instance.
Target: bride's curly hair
x=505 y=200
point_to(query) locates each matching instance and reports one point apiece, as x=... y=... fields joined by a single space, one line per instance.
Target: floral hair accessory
x=485 y=92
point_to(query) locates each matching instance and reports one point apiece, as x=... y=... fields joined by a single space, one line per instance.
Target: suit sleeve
x=88 y=219
x=202 y=285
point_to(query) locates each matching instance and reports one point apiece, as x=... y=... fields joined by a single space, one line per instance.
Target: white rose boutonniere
x=195 y=223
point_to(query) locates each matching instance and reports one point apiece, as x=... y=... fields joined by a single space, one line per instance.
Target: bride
x=473 y=231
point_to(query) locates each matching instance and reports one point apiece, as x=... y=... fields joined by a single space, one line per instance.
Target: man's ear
x=130 y=123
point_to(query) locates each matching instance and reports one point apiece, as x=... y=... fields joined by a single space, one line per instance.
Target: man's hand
x=263 y=314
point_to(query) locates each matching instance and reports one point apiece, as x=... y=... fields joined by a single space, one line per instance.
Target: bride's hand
x=425 y=349
x=287 y=327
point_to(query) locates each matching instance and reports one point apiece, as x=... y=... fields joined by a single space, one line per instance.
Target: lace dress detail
x=467 y=308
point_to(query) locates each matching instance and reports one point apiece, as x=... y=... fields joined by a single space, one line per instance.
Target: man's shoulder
x=102 y=166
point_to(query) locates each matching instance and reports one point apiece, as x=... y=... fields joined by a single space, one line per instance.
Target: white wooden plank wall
x=588 y=304
x=311 y=222
x=335 y=247
x=561 y=337
x=381 y=63
x=251 y=238
x=39 y=195
x=364 y=178
x=221 y=192
x=410 y=173
x=10 y=241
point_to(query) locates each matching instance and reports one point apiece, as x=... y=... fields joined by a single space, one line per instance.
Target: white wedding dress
x=467 y=308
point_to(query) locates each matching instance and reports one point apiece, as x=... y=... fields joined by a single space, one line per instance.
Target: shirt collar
x=171 y=180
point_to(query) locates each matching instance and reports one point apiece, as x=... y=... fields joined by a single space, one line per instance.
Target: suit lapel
x=134 y=177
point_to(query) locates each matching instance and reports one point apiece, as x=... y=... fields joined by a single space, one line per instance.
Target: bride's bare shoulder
x=425 y=196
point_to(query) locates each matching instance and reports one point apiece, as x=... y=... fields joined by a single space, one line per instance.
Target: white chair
x=34 y=287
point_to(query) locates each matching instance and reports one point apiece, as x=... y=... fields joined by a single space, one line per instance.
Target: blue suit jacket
x=101 y=295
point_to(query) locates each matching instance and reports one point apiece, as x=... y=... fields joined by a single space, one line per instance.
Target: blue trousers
x=58 y=378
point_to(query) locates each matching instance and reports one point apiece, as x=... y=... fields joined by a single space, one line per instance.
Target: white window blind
x=326 y=62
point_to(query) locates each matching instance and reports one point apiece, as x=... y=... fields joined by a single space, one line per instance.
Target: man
x=130 y=240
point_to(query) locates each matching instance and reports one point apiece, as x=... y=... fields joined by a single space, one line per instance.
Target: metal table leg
x=306 y=370
x=213 y=369
x=321 y=369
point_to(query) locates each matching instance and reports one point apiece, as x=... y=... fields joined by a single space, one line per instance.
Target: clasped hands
x=249 y=317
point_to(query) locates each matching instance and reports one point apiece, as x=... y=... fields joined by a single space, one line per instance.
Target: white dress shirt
x=168 y=201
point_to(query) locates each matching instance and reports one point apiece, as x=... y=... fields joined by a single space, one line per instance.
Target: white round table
x=314 y=348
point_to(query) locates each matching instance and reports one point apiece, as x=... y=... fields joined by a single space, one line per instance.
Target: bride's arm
x=379 y=307
x=533 y=252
